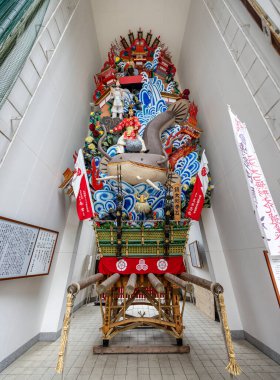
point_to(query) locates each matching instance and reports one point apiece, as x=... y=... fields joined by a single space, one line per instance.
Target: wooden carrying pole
x=175 y=280
x=156 y=284
x=107 y=284
x=75 y=287
x=212 y=286
x=131 y=284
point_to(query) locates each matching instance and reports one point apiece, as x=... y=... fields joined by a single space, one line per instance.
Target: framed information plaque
x=194 y=253
x=25 y=250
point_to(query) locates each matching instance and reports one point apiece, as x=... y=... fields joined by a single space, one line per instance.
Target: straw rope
x=65 y=332
x=233 y=368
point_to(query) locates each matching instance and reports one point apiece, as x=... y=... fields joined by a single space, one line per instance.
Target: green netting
x=19 y=26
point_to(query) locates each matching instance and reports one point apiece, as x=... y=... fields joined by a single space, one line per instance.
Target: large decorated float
x=142 y=177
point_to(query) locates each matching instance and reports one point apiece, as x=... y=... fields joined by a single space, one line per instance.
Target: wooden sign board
x=176 y=187
x=25 y=250
x=273 y=264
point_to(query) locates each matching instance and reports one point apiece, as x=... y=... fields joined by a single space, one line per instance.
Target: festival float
x=141 y=177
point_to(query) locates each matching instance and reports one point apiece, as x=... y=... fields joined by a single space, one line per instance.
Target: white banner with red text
x=265 y=211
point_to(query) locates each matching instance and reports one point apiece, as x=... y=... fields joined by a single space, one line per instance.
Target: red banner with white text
x=156 y=265
x=198 y=194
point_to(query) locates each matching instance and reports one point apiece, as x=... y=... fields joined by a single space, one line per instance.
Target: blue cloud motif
x=107 y=187
x=150 y=97
x=183 y=199
x=187 y=167
x=159 y=203
x=141 y=188
x=149 y=224
x=151 y=200
x=112 y=151
x=170 y=131
x=99 y=208
x=126 y=187
x=109 y=205
x=128 y=203
x=127 y=99
x=97 y=161
x=104 y=202
x=170 y=87
x=153 y=65
x=159 y=213
x=179 y=143
x=105 y=199
x=103 y=196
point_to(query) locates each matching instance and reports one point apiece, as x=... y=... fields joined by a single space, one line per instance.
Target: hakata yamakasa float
x=142 y=178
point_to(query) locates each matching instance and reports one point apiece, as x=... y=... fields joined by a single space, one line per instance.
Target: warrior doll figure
x=130 y=138
x=117 y=94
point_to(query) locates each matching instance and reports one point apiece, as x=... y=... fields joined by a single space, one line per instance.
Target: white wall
x=52 y=5
x=206 y=67
x=165 y=18
x=259 y=40
x=81 y=268
x=54 y=126
x=220 y=268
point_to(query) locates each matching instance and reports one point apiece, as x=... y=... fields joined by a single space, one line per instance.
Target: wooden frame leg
x=176 y=310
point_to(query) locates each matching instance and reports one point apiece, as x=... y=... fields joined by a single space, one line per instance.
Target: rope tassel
x=65 y=332
x=232 y=367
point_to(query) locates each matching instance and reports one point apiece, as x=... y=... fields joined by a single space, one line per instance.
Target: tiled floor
x=207 y=359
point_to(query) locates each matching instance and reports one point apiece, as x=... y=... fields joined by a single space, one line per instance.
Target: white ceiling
x=165 y=17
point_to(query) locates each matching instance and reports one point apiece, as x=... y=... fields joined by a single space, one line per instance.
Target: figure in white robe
x=118 y=95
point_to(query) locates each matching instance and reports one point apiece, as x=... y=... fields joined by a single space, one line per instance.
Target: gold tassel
x=232 y=367
x=65 y=332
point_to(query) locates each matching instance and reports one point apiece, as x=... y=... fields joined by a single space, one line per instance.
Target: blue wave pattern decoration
x=169 y=131
x=170 y=87
x=152 y=102
x=127 y=99
x=97 y=161
x=112 y=151
x=105 y=200
x=172 y=131
x=179 y=143
x=187 y=167
x=152 y=66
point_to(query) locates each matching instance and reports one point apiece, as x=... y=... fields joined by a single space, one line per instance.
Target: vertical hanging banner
x=200 y=187
x=266 y=213
x=81 y=189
